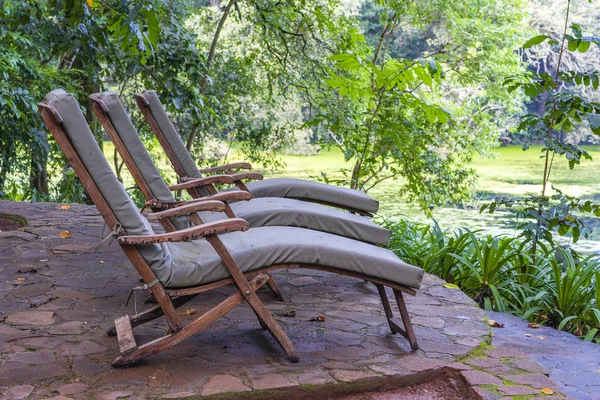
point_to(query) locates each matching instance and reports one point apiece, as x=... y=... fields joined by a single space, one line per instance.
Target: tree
x=80 y=46
x=418 y=114
x=564 y=111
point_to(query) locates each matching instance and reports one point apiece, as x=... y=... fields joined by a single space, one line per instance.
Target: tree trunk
x=38 y=176
x=209 y=61
x=355 y=175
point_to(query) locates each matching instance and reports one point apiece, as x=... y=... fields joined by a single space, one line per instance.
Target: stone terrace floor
x=58 y=298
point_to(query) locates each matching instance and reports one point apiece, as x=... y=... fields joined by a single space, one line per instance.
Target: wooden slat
x=410 y=333
x=209 y=228
x=209 y=180
x=257 y=176
x=193 y=328
x=226 y=167
x=396 y=327
x=186 y=209
x=125 y=335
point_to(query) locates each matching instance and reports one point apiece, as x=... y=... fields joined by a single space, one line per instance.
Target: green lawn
x=512 y=171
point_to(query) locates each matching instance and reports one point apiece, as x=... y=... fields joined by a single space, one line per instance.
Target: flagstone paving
x=569 y=361
x=58 y=298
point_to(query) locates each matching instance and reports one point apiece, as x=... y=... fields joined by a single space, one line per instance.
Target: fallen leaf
x=190 y=311
x=495 y=324
x=541 y=337
x=21 y=279
x=65 y=234
x=101 y=262
x=543 y=316
x=65 y=207
x=533 y=325
x=450 y=286
x=320 y=318
x=547 y=391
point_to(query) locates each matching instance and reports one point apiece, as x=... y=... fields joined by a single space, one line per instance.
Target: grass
x=512 y=171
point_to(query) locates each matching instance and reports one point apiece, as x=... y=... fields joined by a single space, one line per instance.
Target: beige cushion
x=196 y=262
x=141 y=158
x=172 y=136
x=266 y=211
x=79 y=134
x=274 y=211
x=313 y=191
x=272 y=187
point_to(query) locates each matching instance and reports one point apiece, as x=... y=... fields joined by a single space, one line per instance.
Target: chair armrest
x=226 y=167
x=187 y=209
x=209 y=180
x=234 y=195
x=210 y=228
x=257 y=176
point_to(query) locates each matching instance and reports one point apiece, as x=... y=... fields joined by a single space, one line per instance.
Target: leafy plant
x=484 y=269
x=564 y=112
x=556 y=286
x=570 y=300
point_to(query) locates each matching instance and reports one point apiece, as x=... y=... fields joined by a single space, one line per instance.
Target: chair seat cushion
x=196 y=262
x=313 y=191
x=275 y=211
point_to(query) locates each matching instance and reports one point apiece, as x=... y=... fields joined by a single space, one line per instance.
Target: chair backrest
x=135 y=155
x=184 y=160
x=95 y=173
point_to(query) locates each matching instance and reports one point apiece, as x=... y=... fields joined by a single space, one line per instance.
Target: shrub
x=554 y=286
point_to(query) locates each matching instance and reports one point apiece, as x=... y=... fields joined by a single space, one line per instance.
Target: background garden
x=484 y=115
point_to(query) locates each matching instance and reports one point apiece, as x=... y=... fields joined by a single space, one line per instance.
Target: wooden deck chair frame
x=169 y=300
x=143 y=105
x=160 y=208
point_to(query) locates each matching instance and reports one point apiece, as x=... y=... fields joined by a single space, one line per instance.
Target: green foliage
x=571 y=301
x=482 y=273
x=564 y=111
x=58 y=44
x=540 y=217
x=554 y=286
x=390 y=114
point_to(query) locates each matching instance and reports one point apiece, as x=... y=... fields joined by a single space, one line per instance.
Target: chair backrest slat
x=169 y=138
x=74 y=136
x=122 y=132
x=171 y=135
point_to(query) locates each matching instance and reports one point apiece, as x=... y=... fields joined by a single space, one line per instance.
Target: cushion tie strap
x=113 y=234
x=142 y=287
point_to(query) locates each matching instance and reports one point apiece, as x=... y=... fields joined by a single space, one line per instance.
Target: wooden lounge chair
x=177 y=266
x=264 y=211
x=351 y=200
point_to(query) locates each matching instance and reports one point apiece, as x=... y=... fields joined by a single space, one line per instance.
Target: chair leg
x=386 y=306
x=408 y=331
x=136 y=353
x=394 y=324
x=250 y=294
x=269 y=322
x=272 y=285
